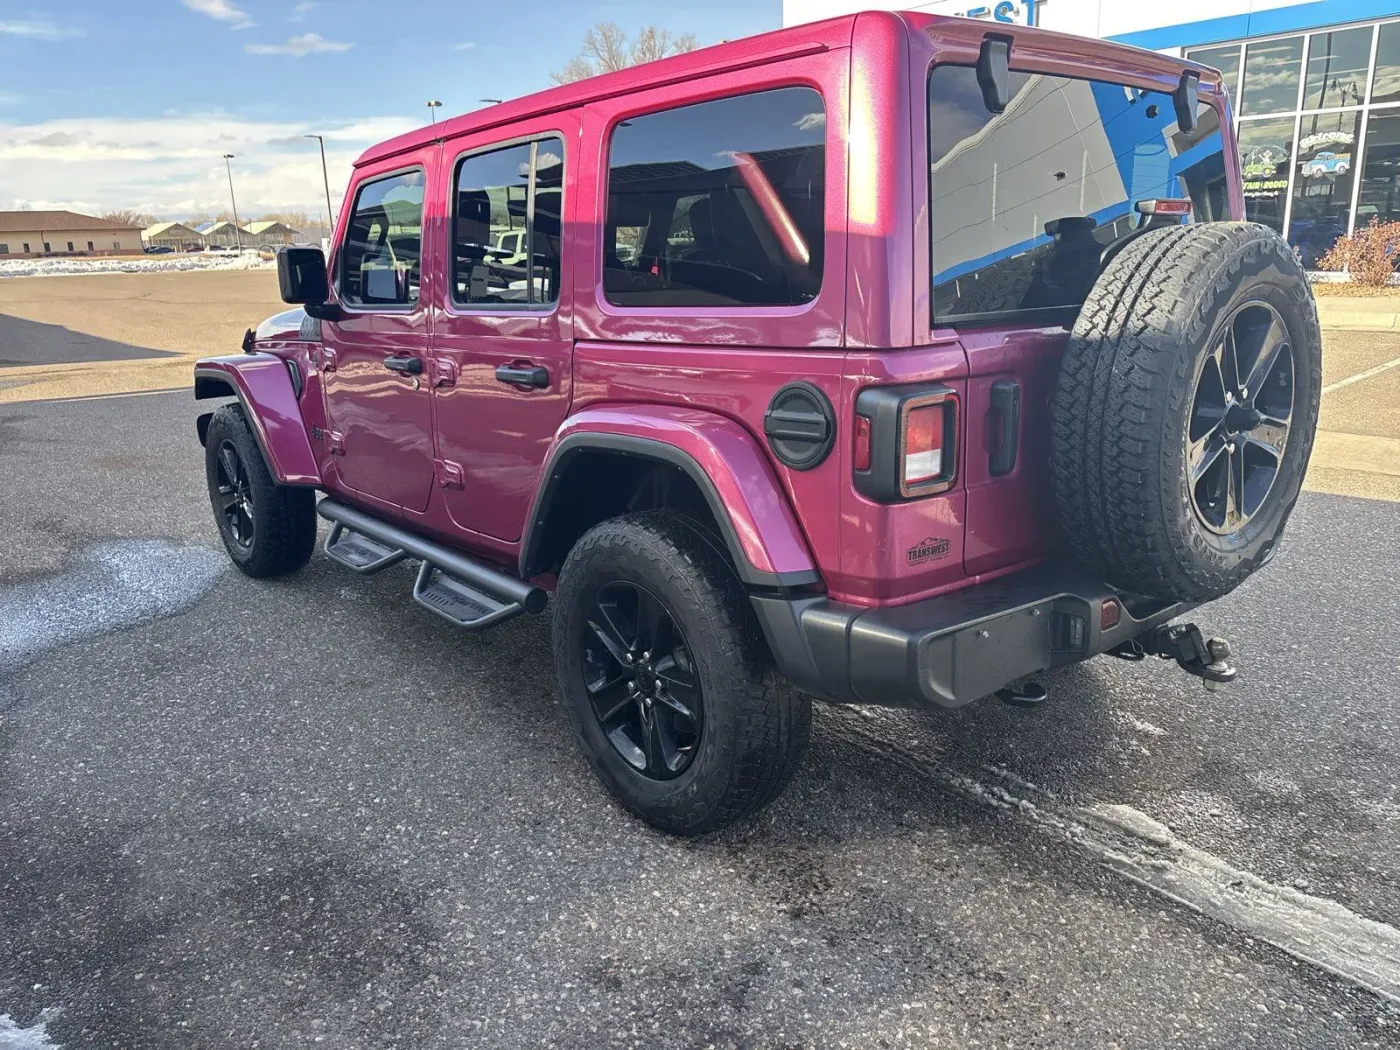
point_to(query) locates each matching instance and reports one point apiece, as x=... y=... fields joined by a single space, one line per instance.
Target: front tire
x=665 y=677
x=268 y=529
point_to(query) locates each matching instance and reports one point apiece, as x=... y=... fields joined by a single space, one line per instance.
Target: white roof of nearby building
x=166 y=227
x=263 y=225
x=214 y=227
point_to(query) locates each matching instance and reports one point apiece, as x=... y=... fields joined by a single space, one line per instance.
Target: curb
x=1365 y=315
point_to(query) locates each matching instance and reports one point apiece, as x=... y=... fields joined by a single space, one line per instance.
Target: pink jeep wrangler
x=886 y=360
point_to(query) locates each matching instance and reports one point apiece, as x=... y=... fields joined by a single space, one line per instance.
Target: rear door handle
x=409 y=366
x=523 y=375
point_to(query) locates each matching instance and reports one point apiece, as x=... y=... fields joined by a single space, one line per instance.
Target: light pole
x=325 y=179
x=433 y=105
x=237 y=229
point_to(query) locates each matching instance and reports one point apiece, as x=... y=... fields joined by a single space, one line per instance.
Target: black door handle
x=523 y=375
x=409 y=366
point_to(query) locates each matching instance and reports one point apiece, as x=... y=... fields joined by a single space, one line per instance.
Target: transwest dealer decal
x=927 y=549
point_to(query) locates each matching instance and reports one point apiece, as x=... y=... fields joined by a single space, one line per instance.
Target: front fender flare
x=263 y=386
x=756 y=521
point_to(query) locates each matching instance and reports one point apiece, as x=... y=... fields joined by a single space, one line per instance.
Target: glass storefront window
x=1271 y=72
x=1266 y=149
x=1226 y=59
x=1337 y=64
x=1380 y=176
x=1324 y=169
x=1386 y=86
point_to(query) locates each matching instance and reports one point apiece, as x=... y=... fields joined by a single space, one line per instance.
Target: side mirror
x=994 y=72
x=1184 y=101
x=301 y=276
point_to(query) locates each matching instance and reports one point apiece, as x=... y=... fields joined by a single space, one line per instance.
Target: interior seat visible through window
x=718 y=203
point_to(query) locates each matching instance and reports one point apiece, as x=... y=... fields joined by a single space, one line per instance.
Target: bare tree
x=201 y=217
x=297 y=220
x=127 y=217
x=606 y=50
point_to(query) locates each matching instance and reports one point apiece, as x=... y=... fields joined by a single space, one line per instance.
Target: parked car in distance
x=158 y=249
x=764 y=413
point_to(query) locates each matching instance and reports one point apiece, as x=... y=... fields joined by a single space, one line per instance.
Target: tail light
x=923 y=444
x=905 y=441
x=1164 y=206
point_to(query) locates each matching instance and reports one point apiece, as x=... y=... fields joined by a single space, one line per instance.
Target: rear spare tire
x=1185 y=410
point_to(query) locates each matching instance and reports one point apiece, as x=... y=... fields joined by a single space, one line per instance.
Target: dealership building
x=1315 y=87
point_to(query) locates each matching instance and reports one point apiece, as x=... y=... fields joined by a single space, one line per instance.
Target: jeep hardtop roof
x=1074 y=55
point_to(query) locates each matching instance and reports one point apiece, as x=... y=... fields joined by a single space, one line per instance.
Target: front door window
x=381 y=261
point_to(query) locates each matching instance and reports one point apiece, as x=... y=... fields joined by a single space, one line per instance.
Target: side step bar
x=470 y=594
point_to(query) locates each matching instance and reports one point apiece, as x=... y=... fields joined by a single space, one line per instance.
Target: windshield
x=1025 y=202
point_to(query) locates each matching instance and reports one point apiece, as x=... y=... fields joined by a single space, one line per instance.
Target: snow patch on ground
x=134 y=264
x=13 y=1037
x=107 y=587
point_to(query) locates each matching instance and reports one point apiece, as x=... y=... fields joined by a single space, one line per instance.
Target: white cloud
x=36 y=28
x=301 y=10
x=465 y=45
x=306 y=44
x=172 y=165
x=222 y=11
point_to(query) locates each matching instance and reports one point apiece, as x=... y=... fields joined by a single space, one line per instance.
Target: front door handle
x=409 y=366
x=523 y=375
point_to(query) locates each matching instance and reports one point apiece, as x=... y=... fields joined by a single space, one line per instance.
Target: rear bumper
x=950 y=650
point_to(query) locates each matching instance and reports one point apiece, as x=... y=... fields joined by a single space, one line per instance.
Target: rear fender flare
x=755 y=519
x=264 y=388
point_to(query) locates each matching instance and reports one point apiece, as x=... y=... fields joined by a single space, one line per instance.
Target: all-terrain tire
x=1123 y=405
x=756 y=725
x=283 y=517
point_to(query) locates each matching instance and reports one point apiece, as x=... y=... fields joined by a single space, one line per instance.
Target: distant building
x=223 y=233
x=31 y=233
x=173 y=235
x=269 y=234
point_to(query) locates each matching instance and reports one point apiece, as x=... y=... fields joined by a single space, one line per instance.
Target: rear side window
x=719 y=203
x=380 y=261
x=1026 y=201
x=507 y=223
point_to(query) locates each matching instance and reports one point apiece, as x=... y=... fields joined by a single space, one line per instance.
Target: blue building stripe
x=1313 y=15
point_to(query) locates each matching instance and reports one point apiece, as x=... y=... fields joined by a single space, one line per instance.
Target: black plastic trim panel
x=575 y=444
x=948 y=651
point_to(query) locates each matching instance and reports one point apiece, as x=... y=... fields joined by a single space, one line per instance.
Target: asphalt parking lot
x=299 y=813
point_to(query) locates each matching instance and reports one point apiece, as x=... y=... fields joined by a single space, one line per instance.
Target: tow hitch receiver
x=1206 y=658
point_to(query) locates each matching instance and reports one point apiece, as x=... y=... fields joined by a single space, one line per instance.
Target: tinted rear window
x=1024 y=202
x=718 y=203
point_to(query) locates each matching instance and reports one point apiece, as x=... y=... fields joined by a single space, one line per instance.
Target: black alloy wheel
x=1241 y=413
x=235 y=495
x=641 y=680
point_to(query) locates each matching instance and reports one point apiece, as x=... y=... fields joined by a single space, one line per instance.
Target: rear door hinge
x=449 y=475
x=335 y=441
x=328 y=359
x=444 y=372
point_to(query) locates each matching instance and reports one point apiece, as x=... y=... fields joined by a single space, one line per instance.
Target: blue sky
x=131 y=103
